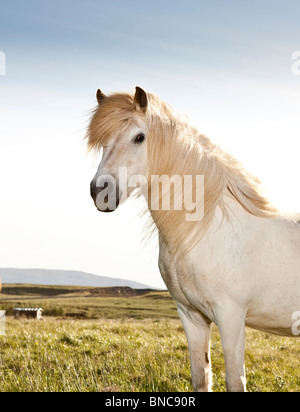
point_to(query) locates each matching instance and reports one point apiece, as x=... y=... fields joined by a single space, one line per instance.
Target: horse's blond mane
x=175 y=147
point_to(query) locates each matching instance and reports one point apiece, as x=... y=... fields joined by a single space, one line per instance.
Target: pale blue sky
x=226 y=63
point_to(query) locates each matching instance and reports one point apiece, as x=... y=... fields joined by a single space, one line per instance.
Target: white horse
x=237 y=265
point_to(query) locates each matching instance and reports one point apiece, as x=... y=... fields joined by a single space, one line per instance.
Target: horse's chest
x=188 y=284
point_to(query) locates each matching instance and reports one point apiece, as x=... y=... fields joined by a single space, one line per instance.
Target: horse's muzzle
x=105 y=196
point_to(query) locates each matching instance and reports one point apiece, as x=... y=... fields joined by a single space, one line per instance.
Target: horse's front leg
x=197 y=330
x=231 y=323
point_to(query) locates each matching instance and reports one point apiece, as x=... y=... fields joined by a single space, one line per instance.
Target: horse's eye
x=139 y=138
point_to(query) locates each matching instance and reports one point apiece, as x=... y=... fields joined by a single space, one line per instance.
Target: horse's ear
x=100 y=96
x=140 y=100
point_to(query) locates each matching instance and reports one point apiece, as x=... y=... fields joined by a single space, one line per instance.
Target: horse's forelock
x=113 y=113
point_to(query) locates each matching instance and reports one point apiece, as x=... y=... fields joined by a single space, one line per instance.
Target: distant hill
x=63 y=277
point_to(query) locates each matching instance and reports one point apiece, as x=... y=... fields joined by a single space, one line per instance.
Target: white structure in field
x=29 y=313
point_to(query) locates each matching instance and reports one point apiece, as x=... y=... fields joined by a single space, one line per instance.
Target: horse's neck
x=183 y=151
x=227 y=223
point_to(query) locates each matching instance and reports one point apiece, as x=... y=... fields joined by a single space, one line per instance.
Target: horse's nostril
x=105 y=194
x=92 y=189
x=95 y=190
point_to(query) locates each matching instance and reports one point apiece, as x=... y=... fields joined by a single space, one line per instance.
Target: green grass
x=86 y=355
x=126 y=352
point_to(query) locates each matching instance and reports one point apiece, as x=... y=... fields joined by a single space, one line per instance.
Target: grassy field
x=90 y=303
x=123 y=344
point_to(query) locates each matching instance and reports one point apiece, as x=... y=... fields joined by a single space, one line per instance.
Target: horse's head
x=119 y=127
